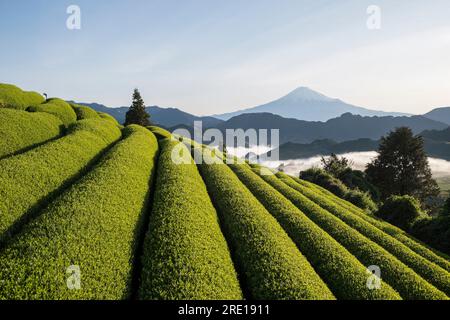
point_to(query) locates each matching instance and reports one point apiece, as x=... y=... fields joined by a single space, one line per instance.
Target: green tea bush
x=431 y=255
x=269 y=263
x=58 y=108
x=160 y=133
x=108 y=117
x=184 y=236
x=399 y=276
x=84 y=112
x=429 y=271
x=29 y=179
x=20 y=130
x=341 y=271
x=15 y=98
x=93 y=225
x=401 y=211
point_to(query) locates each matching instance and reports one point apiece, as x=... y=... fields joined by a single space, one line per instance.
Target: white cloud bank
x=439 y=167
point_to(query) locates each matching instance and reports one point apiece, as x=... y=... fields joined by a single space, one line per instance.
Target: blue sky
x=211 y=56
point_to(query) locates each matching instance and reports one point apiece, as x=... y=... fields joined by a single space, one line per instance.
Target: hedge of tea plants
x=398 y=275
x=57 y=107
x=93 y=226
x=186 y=256
x=432 y=255
x=15 y=98
x=267 y=260
x=344 y=274
x=84 y=112
x=428 y=270
x=28 y=180
x=21 y=130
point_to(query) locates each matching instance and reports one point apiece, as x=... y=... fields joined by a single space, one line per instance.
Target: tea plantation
x=90 y=209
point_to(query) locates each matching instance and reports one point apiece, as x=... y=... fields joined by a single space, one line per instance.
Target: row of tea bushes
x=344 y=274
x=91 y=228
x=21 y=130
x=186 y=256
x=268 y=262
x=29 y=179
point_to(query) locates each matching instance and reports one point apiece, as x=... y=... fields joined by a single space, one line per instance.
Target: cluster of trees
x=344 y=182
x=397 y=186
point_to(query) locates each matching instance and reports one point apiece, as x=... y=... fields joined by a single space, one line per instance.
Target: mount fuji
x=306 y=104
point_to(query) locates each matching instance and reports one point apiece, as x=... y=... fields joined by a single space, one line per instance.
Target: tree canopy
x=401 y=167
x=137 y=113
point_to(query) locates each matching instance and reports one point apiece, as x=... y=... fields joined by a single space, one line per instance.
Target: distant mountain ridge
x=344 y=128
x=166 y=117
x=439 y=114
x=306 y=104
x=437 y=145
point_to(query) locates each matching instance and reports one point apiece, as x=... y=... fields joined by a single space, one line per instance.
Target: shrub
x=324 y=179
x=446 y=208
x=185 y=237
x=160 y=133
x=93 y=225
x=401 y=211
x=429 y=271
x=270 y=264
x=327 y=181
x=434 y=231
x=108 y=117
x=15 y=98
x=20 y=130
x=58 y=108
x=341 y=271
x=428 y=253
x=355 y=179
x=361 y=200
x=29 y=179
x=84 y=112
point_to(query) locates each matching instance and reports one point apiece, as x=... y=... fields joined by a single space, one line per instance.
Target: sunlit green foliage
x=160 y=133
x=20 y=130
x=433 y=256
x=429 y=271
x=84 y=112
x=344 y=274
x=185 y=237
x=269 y=262
x=15 y=98
x=57 y=107
x=108 y=117
x=28 y=179
x=399 y=276
x=93 y=225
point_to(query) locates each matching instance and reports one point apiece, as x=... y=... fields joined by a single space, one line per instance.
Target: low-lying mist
x=439 y=167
